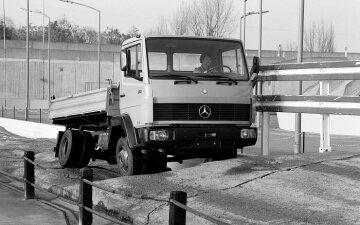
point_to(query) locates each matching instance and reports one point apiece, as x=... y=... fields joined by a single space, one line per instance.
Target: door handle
x=122 y=95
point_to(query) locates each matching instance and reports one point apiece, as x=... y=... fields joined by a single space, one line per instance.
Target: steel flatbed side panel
x=79 y=104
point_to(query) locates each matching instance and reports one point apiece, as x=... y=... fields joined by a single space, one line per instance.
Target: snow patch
x=30 y=129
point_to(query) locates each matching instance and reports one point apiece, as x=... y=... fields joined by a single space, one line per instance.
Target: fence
x=323 y=104
x=177 y=200
x=35 y=115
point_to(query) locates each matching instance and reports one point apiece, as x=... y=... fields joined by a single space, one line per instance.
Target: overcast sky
x=280 y=25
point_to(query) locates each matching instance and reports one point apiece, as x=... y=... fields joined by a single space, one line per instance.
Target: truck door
x=134 y=93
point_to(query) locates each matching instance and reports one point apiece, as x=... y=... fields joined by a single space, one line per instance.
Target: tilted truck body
x=161 y=110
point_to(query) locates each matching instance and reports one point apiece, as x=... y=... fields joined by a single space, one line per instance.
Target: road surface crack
x=152 y=211
x=286 y=170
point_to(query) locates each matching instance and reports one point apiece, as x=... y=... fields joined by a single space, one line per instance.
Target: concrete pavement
x=14 y=210
x=297 y=189
x=310 y=188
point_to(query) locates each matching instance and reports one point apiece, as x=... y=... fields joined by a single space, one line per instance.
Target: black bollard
x=29 y=175
x=177 y=215
x=85 y=197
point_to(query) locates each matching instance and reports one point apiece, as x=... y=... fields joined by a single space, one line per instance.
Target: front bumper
x=197 y=138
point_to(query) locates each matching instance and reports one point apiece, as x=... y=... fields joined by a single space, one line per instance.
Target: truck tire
x=129 y=161
x=87 y=149
x=69 y=148
x=225 y=154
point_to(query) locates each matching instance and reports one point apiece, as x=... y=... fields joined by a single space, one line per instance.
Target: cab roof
x=140 y=37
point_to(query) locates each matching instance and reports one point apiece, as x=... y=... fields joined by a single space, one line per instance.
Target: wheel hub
x=64 y=147
x=124 y=158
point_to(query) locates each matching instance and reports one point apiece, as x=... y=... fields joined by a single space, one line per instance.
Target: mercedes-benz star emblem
x=204 y=111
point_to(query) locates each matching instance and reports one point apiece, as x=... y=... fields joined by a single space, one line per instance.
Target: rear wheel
x=129 y=161
x=69 y=148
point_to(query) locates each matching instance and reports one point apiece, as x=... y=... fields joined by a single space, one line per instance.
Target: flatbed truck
x=161 y=110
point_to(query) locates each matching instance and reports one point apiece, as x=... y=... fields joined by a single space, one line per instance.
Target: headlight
x=248 y=133
x=159 y=135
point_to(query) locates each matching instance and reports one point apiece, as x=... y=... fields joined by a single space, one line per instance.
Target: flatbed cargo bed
x=104 y=100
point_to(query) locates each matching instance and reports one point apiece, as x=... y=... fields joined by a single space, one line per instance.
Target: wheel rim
x=64 y=148
x=123 y=159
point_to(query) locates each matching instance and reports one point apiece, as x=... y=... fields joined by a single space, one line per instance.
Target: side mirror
x=125 y=60
x=256 y=66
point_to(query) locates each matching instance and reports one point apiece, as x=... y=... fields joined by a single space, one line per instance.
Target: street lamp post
x=99 y=33
x=27 y=63
x=244 y=17
x=264 y=116
x=4 y=33
x=297 y=141
x=49 y=38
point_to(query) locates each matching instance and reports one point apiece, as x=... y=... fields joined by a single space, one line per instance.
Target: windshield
x=198 y=58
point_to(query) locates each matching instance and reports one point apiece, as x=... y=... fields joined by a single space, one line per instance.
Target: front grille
x=219 y=112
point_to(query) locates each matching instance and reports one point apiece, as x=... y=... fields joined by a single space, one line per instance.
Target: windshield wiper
x=229 y=79
x=187 y=78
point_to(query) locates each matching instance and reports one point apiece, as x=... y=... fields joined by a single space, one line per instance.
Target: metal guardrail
x=35 y=115
x=323 y=104
x=176 y=202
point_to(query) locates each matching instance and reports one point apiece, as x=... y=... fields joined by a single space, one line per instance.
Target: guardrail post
x=29 y=175
x=85 y=197
x=14 y=112
x=177 y=215
x=2 y=111
x=325 y=121
x=303 y=142
x=265 y=133
x=40 y=115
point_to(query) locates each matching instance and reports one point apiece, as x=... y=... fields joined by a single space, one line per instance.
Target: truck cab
x=171 y=105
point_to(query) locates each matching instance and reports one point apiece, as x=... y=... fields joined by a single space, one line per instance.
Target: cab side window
x=233 y=59
x=136 y=62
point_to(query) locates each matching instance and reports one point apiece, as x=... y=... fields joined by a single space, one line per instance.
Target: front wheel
x=129 y=161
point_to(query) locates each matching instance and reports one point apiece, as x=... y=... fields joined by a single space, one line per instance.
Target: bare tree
x=325 y=37
x=330 y=46
x=213 y=17
x=318 y=37
x=291 y=46
x=200 y=18
x=195 y=20
x=179 y=23
x=160 y=29
x=310 y=38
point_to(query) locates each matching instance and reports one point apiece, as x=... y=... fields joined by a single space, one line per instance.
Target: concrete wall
x=74 y=68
